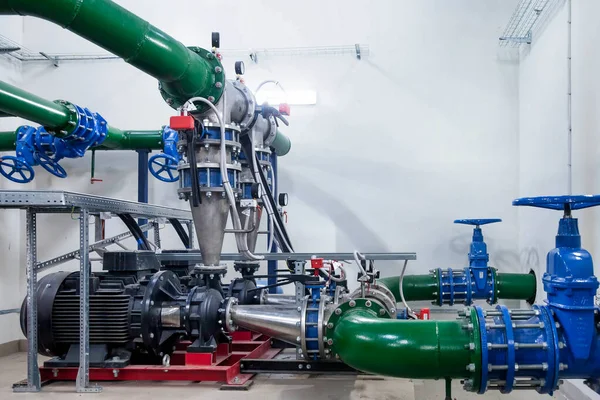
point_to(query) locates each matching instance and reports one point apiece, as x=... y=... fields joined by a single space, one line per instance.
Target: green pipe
x=5 y=115
x=415 y=287
x=281 y=144
x=8 y=140
x=116 y=140
x=407 y=349
x=516 y=286
x=426 y=287
x=21 y=103
x=182 y=72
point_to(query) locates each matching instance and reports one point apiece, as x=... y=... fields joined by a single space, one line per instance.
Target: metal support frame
x=83 y=373
x=142 y=182
x=33 y=371
x=197 y=258
x=40 y=201
x=156 y=231
x=300 y=293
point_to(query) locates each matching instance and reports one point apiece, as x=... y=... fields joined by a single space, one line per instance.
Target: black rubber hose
x=185 y=238
x=196 y=199
x=135 y=230
x=280 y=229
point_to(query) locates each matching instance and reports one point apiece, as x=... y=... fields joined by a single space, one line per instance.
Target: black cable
x=135 y=230
x=185 y=238
x=191 y=138
x=280 y=230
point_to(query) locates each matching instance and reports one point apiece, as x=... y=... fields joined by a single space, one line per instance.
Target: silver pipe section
x=277 y=299
x=276 y=321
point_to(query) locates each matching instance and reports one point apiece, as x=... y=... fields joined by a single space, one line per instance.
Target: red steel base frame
x=221 y=366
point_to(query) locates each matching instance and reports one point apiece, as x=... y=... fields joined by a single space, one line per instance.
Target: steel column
x=142 y=182
x=83 y=373
x=156 y=230
x=33 y=372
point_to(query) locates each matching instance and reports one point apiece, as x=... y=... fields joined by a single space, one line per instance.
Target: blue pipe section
x=478 y=280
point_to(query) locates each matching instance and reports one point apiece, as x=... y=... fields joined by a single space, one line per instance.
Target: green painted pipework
x=119 y=140
x=20 y=103
x=517 y=286
x=407 y=349
x=182 y=72
x=281 y=144
x=8 y=140
x=426 y=287
x=415 y=287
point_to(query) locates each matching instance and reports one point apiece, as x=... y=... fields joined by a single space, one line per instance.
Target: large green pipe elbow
x=281 y=144
x=407 y=349
x=183 y=73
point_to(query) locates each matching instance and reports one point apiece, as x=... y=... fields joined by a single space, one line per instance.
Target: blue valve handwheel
x=164 y=167
x=49 y=164
x=477 y=221
x=559 y=202
x=11 y=166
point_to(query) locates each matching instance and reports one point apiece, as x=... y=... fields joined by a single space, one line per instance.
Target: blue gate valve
x=569 y=280
x=163 y=166
x=478 y=255
x=477 y=281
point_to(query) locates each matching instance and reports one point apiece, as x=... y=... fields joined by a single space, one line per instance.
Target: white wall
x=422 y=132
x=12 y=234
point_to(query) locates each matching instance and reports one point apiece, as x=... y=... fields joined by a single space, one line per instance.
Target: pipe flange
x=269 y=136
x=381 y=294
x=472 y=325
x=213 y=93
x=321 y=321
x=336 y=313
x=303 y=328
x=211 y=124
x=229 y=325
x=250 y=103
x=201 y=269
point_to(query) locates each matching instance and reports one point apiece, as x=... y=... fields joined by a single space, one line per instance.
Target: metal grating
x=528 y=21
x=12 y=49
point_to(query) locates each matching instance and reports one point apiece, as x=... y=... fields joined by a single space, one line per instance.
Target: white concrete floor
x=266 y=387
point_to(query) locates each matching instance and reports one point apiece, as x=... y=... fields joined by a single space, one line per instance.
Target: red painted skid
x=226 y=368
